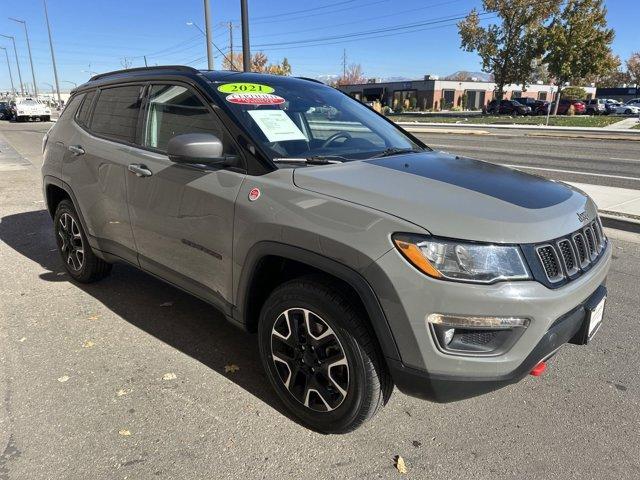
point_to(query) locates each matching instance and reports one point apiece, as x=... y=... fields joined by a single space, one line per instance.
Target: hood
x=455 y=197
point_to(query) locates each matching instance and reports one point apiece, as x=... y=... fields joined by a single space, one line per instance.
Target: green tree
x=578 y=43
x=508 y=46
x=574 y=93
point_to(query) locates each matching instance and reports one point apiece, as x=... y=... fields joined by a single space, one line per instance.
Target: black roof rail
x=315 y=80
x=182 y=68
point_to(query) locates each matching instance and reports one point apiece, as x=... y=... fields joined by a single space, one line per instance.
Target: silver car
x=362 y=258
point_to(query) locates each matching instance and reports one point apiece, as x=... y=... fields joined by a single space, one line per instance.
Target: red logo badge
x=254 y=194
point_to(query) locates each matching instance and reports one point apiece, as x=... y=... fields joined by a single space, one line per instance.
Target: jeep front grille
x=567 y=258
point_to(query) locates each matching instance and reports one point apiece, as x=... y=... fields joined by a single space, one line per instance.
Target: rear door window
x=116 y=113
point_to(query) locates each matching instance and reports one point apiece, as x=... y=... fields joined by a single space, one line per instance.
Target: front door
x=182 y=215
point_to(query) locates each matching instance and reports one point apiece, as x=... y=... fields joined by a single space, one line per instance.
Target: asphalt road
x=613 y=163
x=126 y=378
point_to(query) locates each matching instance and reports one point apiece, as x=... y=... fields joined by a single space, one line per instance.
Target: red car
x=578 y=106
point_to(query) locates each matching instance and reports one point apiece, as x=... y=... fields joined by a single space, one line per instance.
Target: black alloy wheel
x=309 y=359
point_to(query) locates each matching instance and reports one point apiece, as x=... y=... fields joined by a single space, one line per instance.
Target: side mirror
x=203 y=148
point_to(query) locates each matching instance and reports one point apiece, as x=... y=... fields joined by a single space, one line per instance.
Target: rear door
x=96 y=156
x=182 y=215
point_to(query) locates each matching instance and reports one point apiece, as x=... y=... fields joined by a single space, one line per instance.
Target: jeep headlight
x=462 y=261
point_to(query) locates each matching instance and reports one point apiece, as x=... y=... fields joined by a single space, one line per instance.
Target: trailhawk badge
x=254 y=194
x=583 y=216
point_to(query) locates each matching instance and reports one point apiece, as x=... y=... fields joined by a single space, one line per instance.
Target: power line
x=304 y=10
x=369 y=32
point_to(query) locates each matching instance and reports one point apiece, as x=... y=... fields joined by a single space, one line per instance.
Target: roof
x=185 y=71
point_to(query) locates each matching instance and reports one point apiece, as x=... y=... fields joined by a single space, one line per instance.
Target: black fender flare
x=364 y=290
x=51 y=180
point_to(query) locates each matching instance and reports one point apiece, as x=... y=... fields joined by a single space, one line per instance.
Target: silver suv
x=362 y=258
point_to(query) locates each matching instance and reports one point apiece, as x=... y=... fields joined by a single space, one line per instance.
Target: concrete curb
x=617 y=222
x=540 y=128
x=528 y=130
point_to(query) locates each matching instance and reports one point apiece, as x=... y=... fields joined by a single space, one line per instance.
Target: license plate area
x=594 y=313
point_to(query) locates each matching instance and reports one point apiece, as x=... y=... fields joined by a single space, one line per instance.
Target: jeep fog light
x=475 y=335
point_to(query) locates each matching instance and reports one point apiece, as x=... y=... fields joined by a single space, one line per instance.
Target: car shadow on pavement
x=172 y=316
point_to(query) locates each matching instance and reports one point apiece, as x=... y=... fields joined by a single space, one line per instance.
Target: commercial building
x=619 y=93
x=434 y=94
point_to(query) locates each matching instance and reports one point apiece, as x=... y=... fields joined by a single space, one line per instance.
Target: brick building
x=431 y=93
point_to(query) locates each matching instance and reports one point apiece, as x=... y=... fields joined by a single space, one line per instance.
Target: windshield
x=28 y=102
x=293 y=118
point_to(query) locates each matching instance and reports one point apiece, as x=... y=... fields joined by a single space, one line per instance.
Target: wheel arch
x=56 y=190
x=268 y=264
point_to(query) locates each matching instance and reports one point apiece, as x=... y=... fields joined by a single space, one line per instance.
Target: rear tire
x=321 y=357
x=79 y=260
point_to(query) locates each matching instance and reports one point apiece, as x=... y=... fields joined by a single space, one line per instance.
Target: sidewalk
x=621 y=203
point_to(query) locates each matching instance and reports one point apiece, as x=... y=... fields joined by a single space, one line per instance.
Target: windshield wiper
x=314 y=160
x=395 y=151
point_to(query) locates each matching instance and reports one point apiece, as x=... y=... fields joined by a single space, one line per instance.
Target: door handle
x=76 y=150
x=140 y=170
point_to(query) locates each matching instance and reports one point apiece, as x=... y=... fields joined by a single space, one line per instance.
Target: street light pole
x=53 y=57
x=207 y=28
x=13 y=88
x=15 y=50
x=246 y=51
x=33 y=73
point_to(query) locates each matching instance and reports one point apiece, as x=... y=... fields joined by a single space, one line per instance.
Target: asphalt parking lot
x=131 y=378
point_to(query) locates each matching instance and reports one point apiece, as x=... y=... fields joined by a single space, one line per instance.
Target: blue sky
x=97 y=34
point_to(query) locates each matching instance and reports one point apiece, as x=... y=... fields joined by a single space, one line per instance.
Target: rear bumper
x=448 y=388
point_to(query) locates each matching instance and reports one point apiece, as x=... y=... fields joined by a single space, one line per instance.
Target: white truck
x=31 y=109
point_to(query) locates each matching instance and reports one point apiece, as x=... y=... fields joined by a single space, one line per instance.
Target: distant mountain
x=462 y=75
x=328 y=78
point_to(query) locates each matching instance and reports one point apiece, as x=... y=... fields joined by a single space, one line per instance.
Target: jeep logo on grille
x=582 y=216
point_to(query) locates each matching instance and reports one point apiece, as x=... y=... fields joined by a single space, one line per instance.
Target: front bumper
x=446 y=388
x=408 y=297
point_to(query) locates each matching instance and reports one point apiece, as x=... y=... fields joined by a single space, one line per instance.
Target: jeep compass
x=360 y=257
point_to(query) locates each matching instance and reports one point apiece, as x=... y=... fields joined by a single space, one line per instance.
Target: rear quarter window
x=71 y=106
x=115 y=115
x=85 y=109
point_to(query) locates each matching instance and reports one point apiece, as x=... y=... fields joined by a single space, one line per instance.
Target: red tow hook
x=538 y=369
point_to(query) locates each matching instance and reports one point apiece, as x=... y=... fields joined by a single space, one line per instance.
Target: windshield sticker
x=255 y=99
x=245 y=88
x=276 y=125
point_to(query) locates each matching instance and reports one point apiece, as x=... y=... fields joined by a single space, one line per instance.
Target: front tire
x=79 y=260
x=321 y=357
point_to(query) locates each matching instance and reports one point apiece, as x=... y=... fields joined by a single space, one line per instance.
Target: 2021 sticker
x=255 y=99
x=243 y=87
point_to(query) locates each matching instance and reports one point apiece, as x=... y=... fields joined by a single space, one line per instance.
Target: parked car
x=635 y=102
x=563 y=108
x=595 y=106
x=507 y=107
x=627 y=109
x=31 y=109
x=538 y=107
x=610 y=105
x=5 y=111
x=362 y=258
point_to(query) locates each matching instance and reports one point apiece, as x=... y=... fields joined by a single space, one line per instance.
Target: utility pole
x=344 y=63
x=53 y=57
x=13 y=88
x=207 y=29
x=231 y=45
x=246 y=51
x=33 y=73
x=15 y=50
x=145 y=61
